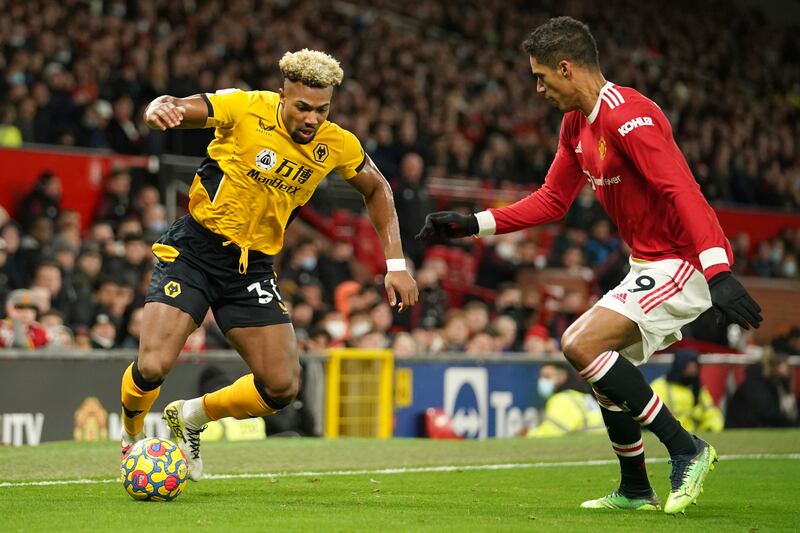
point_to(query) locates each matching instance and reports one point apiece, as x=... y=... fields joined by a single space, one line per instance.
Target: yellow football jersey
x=256 y=177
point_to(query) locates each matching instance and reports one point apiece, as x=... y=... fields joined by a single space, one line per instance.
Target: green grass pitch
x=400 y=485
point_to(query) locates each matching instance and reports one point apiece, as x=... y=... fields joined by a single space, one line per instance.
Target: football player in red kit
x=621 y=143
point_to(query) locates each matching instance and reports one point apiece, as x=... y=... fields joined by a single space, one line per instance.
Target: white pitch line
x=57 y=482
x=402 y=470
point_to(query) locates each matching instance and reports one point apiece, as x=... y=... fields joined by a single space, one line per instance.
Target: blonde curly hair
x=312 y=68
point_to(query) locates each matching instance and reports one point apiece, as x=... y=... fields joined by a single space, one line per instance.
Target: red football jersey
x=625 y=150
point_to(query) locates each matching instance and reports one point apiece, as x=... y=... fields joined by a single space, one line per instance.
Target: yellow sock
x=136 y=402
x=240 y=400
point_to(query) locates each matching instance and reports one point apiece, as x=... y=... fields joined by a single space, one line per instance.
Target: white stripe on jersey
x=608 y=94
x=613 y=90
x=611 y=96
x=607 y=100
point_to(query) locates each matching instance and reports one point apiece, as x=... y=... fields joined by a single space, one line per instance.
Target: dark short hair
x=45 y=263
x=560 y=365
x=563 y=38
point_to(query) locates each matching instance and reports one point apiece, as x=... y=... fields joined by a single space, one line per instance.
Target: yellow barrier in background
x=358 y=393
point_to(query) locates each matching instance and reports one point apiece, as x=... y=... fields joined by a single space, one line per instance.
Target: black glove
x=444 y=225
x=731 y=299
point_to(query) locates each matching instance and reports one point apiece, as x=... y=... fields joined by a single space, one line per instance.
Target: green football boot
x=620 y=502
x=688 y=474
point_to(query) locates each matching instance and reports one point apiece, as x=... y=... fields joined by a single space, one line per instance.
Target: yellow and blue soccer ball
x=154 y=470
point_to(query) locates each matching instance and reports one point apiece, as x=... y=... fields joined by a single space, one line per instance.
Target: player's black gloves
x=731 y=299
x=444 y=225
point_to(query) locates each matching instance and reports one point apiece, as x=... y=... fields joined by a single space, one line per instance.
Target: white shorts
x=661 y=297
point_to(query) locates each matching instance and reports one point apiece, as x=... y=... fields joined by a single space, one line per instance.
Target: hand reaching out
x=443 y=225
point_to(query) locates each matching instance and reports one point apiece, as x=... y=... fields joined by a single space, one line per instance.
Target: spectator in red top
x=20 y=329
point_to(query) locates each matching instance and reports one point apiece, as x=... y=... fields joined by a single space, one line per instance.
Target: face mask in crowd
x=545 y=387
x=358 y=329
x=789 y=269
x=336 y=329
x=158 y=226
x=308 y=263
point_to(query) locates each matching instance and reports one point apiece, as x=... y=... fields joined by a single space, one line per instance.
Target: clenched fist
x=163 y=114
x=444 y=225
x=733 y=301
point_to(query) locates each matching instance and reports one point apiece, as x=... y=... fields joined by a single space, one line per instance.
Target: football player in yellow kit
x=270 y=152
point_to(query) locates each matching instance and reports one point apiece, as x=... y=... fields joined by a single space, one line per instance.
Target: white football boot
x=187 y=437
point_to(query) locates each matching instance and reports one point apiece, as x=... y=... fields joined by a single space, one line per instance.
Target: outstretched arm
x=380 y=205
x=549 y=203
x=167 y=112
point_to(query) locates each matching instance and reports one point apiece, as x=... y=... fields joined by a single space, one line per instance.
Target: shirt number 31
x=265 y=296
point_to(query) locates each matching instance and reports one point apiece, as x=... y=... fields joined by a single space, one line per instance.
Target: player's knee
x=154 y=362
x=572 y=348
x=280 y=393
x=151 y=368
x=284 y=396
x=281 y=388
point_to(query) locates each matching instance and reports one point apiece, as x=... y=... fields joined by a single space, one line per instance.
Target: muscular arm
x=380 y=206
x=167 y=112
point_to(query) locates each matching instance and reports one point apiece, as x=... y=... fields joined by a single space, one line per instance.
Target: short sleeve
x=353 y=158
x=225 y=107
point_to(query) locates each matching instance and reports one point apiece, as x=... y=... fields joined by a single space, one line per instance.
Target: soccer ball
x=154 y=470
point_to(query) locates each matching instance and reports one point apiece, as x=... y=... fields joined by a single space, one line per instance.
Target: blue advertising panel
x=483 y=398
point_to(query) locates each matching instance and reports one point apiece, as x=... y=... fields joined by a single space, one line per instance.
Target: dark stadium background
x=442 y=99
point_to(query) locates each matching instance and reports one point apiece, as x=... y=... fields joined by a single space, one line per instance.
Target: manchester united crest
x=91 y=421
x=601 y=147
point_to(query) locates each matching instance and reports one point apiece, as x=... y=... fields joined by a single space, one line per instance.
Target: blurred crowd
x=67 y=287
x=63 y=288
x=433 y=90
x=444 y=80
